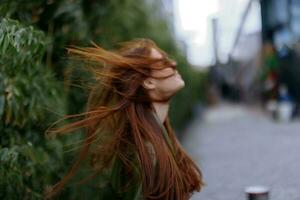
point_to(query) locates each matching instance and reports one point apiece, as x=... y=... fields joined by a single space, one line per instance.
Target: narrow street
x=236 y=147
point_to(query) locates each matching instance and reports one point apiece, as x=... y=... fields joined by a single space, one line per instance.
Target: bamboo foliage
x=28 y=86
x=28 y=92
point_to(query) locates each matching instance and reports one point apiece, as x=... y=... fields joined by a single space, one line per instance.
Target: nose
x=174 y=64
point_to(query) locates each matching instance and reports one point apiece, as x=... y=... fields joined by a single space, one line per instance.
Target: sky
x=193 y=25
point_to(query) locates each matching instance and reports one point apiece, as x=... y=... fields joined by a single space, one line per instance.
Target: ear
x=149 y=83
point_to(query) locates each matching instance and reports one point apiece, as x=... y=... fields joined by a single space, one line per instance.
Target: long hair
x=119 y=123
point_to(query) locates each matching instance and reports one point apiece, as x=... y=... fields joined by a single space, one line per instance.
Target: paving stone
x=236 y=147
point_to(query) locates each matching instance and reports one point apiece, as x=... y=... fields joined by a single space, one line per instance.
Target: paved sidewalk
x=238 y=147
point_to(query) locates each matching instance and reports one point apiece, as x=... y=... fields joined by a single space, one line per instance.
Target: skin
x=164 y=84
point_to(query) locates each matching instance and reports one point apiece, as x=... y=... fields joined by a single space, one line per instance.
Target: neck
x=161 y=109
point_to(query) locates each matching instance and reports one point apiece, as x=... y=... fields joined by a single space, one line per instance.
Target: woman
x=128 y=134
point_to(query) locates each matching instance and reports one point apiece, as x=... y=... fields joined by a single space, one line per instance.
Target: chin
x=181 y=83
x=179 y=86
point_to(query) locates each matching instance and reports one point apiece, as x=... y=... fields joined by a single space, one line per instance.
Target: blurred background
x=238 y=115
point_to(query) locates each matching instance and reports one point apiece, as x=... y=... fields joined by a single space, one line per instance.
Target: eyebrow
x=163 y=63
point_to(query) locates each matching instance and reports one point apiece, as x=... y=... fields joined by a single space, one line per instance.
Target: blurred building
x=238 y=49
x=241 y=44
x=281 y=28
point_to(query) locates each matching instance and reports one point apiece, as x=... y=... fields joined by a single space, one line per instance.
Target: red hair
x=119 y=123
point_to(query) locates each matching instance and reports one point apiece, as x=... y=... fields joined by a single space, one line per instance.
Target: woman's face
x=165 y=81
x=168 y=81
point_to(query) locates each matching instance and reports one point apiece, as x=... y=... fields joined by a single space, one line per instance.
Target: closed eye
x=170 y=63
x=165 y=63
x=164 y=73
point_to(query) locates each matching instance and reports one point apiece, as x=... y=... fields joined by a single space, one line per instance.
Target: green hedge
x=29 y=92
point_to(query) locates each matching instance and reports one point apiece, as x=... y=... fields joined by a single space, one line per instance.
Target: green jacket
x=115 y=180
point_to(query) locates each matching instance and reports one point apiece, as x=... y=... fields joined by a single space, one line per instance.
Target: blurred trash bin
x=257 y=193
